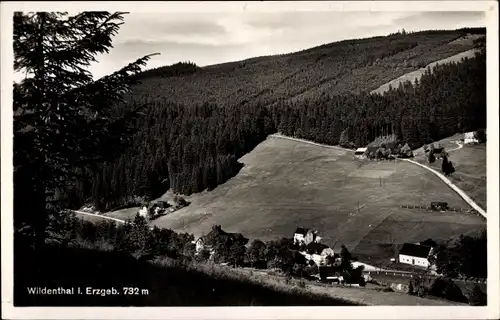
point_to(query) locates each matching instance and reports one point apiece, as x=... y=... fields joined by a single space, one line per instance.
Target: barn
x=470 y=138
x=415 y=254
x=360 y=153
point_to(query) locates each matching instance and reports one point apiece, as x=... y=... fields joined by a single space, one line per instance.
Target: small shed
x=439 y=206
x=299 y=235
x=360 y=153
x=162 y=204
x=470 y=138
x=415 y=254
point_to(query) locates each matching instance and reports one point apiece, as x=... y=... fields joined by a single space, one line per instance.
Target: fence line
x=449 y=209
x=411 y=275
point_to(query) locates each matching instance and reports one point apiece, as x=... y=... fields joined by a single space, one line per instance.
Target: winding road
x=459 y=191
x=98 y=216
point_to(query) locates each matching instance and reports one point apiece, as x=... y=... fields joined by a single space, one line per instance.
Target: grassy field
x=466 y=287
x=123 y=214
x=412 y=76
x=369 y=295
x=285 y=184
x=470 y=167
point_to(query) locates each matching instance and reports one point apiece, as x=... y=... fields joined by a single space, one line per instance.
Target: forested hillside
x=347 y=66
x=188 y=142
x=450 y=99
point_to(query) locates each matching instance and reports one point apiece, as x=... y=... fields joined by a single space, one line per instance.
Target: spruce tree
x=63 y=118
x=344 y=139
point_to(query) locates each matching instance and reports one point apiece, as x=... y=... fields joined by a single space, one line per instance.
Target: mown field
x=370 y=295
x=285 y=184
x=470 y=167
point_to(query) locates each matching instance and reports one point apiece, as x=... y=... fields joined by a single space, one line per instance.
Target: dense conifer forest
x=192 y=143
x=356 y=65
x=450 y=99
x=195 y=147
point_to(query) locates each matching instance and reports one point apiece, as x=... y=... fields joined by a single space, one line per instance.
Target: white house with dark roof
x=305 y=236
x=300 y=235
x=360 y=153
x=415 y=254
x=470 y=137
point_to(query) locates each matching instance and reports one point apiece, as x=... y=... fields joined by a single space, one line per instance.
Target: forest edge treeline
x=192 y=148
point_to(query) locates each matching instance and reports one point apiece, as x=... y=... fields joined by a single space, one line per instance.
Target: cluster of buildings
x=156 y=209
x=209 y=240
x=310 y=246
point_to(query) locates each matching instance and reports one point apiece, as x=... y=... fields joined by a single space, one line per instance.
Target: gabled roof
x=301 y=231
x=361 y=149
x=371 y=149
x=238 y=237
x=415 y=250
x=429 y=242
x=329 y=271
x=218 y=233
x=315 y=247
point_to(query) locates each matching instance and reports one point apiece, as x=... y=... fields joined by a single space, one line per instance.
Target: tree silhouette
x=64 y=121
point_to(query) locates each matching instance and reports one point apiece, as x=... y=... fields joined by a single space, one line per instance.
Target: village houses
x=208 y=241
x=311 y=248
x=416 y=254
x=304 y=236
x=318 y=253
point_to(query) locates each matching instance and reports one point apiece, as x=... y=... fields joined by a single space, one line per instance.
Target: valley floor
x=286 y=183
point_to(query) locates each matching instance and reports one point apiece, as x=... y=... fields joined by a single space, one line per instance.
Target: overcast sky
x=210 y=37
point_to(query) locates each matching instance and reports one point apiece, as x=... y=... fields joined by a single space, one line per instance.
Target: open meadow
x=285 y=184
x=470 y=167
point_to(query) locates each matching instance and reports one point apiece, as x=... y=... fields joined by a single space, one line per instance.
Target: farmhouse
x=360 y=153
x=318 y=253
x=305 y=236
x=415 y=254
x=218 y=235
x=331 y=274
x=143 y=212
x=470 y=137
x=162 y=204
x=439 y=152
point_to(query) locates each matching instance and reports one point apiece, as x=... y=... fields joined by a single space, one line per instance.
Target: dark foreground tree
x=431 y=158
x=64 y=121
x=447 y=166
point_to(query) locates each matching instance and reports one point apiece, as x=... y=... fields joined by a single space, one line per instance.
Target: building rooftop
x=301 y=231
x=415 y=250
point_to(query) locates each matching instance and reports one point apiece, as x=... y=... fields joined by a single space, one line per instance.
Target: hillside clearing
x=278 y=190
x=346 y=66
x=417 y=74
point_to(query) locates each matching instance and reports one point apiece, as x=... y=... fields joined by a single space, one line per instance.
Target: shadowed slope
x=285 y=184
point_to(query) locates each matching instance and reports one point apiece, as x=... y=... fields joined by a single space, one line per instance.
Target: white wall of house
x=319 y=259
x=328 y=252
x=143 y=212
x=199 y=245
x=416 y=261
x=470 y=138
x=298 y=238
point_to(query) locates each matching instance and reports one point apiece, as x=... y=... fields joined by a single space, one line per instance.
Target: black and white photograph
x=253 y=154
